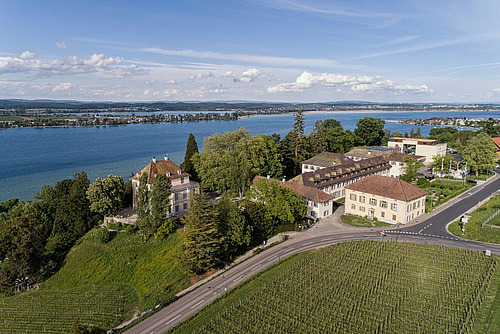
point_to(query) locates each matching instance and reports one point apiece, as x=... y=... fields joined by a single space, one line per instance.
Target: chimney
x=166 y=157
x=154 y=160
x=284 y=179
x=268 y=176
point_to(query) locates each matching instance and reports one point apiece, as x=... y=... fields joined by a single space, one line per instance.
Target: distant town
x=477 y=122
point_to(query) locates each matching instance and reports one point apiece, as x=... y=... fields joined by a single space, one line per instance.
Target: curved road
x=432 y=230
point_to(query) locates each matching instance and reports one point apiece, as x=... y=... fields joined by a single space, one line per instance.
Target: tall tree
x=201 y=240
x=318 y=138
x=297 y=140
x=233 y=226
x=369 y=131
x=410 y=169
x=106 y=195
x=191 y=149
x=143 y=207
x=480 y=153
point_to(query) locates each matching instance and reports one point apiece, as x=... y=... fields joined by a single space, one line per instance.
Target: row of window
x=325 y=213
x=383 y=204
x=177 y=207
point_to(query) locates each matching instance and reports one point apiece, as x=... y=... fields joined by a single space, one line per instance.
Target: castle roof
x=166 y=166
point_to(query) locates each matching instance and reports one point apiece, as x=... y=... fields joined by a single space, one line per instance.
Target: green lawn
x=362 y=287
x=137 y=275
x=473 y=229
x=361 y=222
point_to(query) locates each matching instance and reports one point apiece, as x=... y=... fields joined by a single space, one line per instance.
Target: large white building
x=429 y=148
x=396 y=159
x=333 y=180
x=388 y=199
x=182 y=189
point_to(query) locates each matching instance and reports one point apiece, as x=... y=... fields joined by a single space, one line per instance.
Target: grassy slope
x=361 y=222
x=473 y=229
x=360 y=287
x=139 y=274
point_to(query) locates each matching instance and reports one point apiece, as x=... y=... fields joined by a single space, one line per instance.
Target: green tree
x=233 y=227
x=281 y=205
x=443 y=161
x=297 y=140
x=160 y=200
x=460 y=139
x=143 y=207
x=106 y=195
x=442 y=135
x=191 y=150
x=201 y=239
x=410 y=169
x=369 y=131
x=480 y=153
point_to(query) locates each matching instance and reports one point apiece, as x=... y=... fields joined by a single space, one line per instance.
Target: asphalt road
x=430 y=231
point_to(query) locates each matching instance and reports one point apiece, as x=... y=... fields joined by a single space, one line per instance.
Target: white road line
x=307 y=243
x=257 y=266
x=327 y=239
x=289 y=249
x=237 y=278
x=177 y=317
x=198 y=303
x=272 y=257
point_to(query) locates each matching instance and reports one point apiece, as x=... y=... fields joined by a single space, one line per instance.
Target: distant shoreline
x=391 y=111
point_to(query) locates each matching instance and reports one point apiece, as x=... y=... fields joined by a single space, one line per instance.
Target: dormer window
x=179 y=172
x=168 y=174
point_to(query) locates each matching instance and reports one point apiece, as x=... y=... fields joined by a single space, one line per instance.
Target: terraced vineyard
x=58 y=311
x=362 y=287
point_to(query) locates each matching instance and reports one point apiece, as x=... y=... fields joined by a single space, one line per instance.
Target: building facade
x=388 y=199
x=182 y=189
x=429 y=148
x=333 y=180
x=396 y=159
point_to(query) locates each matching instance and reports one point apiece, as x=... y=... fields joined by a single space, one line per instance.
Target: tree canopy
x=191 y=150
x=106 y=195
x=410 y=170
x=369 y=131
x=480 y=153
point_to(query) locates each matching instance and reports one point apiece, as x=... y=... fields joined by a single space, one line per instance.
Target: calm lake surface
x=32 y=157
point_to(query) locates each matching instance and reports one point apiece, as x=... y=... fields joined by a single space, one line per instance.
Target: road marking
x=272 y=257
x=177 y=317
x=257 y=266
x=198 y=303
x=307 y=243
x=289 y=249
x=327 y=239
x=237 y=278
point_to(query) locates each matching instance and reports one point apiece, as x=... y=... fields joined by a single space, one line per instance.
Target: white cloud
x=27 y=55
x=250 y=75
x=62 y=86
x=365 y=84
x=97 y=63
x=493 y=93
x=61 y=45
x=201 y=75
x=229 y=74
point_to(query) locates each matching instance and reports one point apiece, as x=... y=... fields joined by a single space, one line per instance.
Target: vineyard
x=57 y=312
x=361 y=287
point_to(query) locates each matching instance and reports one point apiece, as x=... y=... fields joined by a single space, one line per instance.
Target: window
x=394 y=206
x=414 y=205
x=373 y=201
x=382 y=214
x=353 y=197
x=325 y=213
x=353 y=207
x=184 y=206
x=176 y=208
x=313 y=214
x=182 y=180
x=184 y=195
x=176 y=196
x=362 y=199
x=408 y=208
x=362 y=208
x=393 y=217
x=383 y=204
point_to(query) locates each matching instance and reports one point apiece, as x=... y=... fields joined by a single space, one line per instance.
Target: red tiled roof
x=388 y=187
x=167 y=167
x=496 y=140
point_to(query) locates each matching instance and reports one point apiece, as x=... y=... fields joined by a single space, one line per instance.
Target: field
x=100 y=284
x=362 y=287
x=473 y=230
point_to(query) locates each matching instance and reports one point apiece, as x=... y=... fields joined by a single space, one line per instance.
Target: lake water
x=32 y=157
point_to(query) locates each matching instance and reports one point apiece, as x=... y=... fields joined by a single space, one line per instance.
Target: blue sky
x=258 y=50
